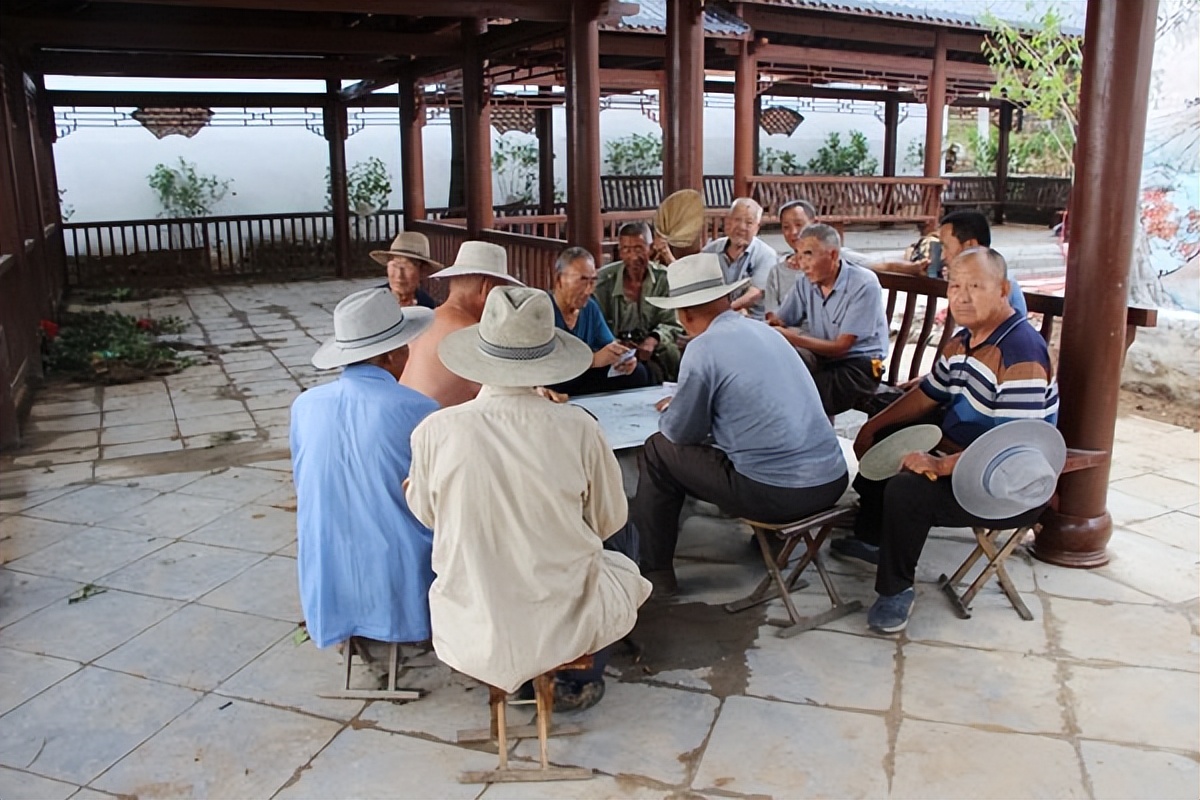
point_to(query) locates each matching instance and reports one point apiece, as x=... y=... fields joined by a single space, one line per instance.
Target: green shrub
x=635 y=154
x=368 y=187
x=835 y=158
x=108 y=347
x=183 y=192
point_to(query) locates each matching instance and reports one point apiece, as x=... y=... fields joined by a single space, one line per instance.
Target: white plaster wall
x=1165 y=360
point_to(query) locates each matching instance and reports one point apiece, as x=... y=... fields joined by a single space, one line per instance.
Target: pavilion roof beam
x=163 y=65
x=769 y=54
x=156 y=36
x=537 y=10
x=365 y=88
x=793 y=22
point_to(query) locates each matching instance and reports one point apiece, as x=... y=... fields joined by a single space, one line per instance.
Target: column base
x=1075 y=542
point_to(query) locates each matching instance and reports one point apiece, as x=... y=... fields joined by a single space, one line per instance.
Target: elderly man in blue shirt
x=841 y=307
x=743 y=255
x=363 y=558
x=744 y=429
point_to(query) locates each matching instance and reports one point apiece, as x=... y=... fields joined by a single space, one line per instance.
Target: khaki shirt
x=622 y=315
x=520 y=493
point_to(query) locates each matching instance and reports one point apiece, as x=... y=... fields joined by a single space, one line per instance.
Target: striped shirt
x=1006 y=377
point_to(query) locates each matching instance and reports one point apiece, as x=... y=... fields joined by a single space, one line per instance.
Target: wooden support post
x=477 y=130
x=1117 y=52
x=457 y=197
x=1006 y=118
x=584 y=226
x=745 y=85
x=412 y=152
x=335 y=134
x=543 y=119
x=935 y=106
x=891 y=125
x=683 y=145
x=758 y=107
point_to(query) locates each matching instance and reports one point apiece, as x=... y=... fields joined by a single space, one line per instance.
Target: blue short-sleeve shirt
x=855 y=306
x=590 y=327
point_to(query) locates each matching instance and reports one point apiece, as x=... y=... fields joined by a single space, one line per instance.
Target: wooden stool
x=543 y=691
x=775 y=585
x=986 y=545
x=355 y=643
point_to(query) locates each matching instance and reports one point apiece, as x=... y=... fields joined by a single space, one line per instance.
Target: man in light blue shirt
x=772 y=456
x=743 y=255
x=363 y=558
x=841 y=307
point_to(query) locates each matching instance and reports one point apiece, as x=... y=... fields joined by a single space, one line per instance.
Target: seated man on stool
x=841 y=306
x=995 y=370
x=363 y=558
x=524 y=495
x=773 y=456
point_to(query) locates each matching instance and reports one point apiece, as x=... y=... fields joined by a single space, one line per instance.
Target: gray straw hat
x=368 y=324
x=1011 y=469
x=515 y=343
x=695 y=280
x=479 y=258
x=882 y=461
x=408 y=244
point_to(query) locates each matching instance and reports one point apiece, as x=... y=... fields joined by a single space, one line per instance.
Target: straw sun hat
x=694 y=281
x=515 y=343
x=479 y=258
x=409 y=244
x=1011 y=469
x=368 y=324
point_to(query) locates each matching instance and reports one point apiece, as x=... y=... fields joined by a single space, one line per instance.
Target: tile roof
x=952 y=13
x=652 y=18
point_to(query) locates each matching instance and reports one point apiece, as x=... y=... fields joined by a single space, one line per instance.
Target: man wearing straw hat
x=478 y=268
x=773 y=455
x=405 y=260
x=522 y=494
x=363 y=558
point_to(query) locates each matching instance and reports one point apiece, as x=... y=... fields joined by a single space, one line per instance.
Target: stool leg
x=393 y=665
x=348 y=652
x=776 y=576
x=543 y=690
x=496 y=700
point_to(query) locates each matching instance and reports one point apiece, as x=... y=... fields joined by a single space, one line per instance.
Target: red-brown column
x=683 y=144
x=891 y=125
x=477 y=130
x=1117 y=51
x=935 y=105
x=1002 y=161
x=745 y=82
x=412 y=153
x=584 y=227
x=543 y=120
x=335 y=134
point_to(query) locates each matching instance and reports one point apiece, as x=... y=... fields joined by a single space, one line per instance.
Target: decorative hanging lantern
x=512 y=118
x=778 y=119
x=166 y=121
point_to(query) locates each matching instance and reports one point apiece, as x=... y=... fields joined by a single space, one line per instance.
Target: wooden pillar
x=891 y=125
x=745 y=85
x=683 y=145
x=477 y=130
x=1117 y=51
x=456 y=197
x=543 y=120
x=335 y=134
x=758 y=105
x=935 y=106
x=412 y=151
x=584 y=226
x=1006 y=116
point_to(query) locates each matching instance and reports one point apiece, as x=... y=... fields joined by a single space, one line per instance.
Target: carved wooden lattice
x=777 y=119
x=512 y=118
x=166 y=121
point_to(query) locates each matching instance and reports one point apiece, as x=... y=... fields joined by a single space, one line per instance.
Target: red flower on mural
x=49 y=328
x=1158 y=215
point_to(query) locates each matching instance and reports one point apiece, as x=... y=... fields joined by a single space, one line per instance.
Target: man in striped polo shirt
x=995 y=370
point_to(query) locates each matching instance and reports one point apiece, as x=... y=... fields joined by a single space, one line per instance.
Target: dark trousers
x=596 y=380
x=668 y=472
x=840 y=383
x=897 y=514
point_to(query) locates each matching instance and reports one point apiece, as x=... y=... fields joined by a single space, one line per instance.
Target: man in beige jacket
x=521 y=494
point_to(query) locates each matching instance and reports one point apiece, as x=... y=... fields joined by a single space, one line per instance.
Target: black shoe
x=850 y=548
x=663 y=581
x=572 y=695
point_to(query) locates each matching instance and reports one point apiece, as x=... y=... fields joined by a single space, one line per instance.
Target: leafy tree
x=635 y=154
x=368 y=187
x=773 y=161
x=183 y=192
x=515 y=165
x=835 y=158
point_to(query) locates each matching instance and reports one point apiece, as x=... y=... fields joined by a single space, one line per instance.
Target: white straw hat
x=694 y=281
x=882 y=461
x=409 y=244
x=1011 y=469
x=515 y=343
x=368 y=324
x=479 y=258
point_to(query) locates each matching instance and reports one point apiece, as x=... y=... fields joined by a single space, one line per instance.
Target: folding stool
x=543 y=690
x=986 y=545
x=776 y=585
x=356 y=644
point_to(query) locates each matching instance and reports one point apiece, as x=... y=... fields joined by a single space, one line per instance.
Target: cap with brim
x=882 y=461
x=695 y=280
x=515 y=343
x=479 y=258
x=368 y=324
x=1011 y=469
x=409 y=244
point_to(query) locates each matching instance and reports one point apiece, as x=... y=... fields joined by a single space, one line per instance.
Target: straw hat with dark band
x=409 y=244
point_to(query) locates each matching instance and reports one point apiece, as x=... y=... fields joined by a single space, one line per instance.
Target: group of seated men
x=445 y=493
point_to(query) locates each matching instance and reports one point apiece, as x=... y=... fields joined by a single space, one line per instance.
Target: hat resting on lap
x=515 y=343
x=1011 y=469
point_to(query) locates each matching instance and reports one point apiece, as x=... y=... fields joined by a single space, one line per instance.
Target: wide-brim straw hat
x=1011 y=469
x=515 y=343
x=368 y=324
x=479 y=258
x=680 y=218
x=882 y=461
x=695 y=280
x=409 y=244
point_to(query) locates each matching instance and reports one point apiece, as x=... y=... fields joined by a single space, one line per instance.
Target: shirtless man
x=478 y=269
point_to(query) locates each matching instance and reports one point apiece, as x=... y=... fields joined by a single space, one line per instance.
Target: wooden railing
x=1028 y=198
x=842 y=200
x=645 y=192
